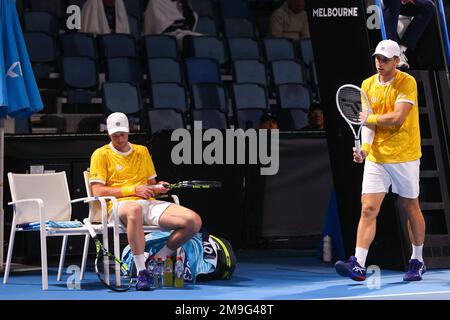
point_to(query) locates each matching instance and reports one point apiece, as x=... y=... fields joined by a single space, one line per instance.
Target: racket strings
x=350 y=103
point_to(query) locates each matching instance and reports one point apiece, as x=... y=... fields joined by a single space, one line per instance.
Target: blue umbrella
x=19 y=94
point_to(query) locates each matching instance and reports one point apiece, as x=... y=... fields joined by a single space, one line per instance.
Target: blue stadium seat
x=239 y=27
x=286 y=71
x=206 y=25
x=292 y=119
x=250 y=71
x=118 y=45
x=79 y=3
x=243 y=49
x=42 y=52
x=157 y=46
x=164 y=119
x=279 y=49
x=199 y=70
x=250 y=96
x=41 y=21
x=164 y=70
x=134 y=8
x=135 y=27
x=209 y=96
x=234 y=8
x=205 y=47
x=80 y=78
x=293 y=96
x=306 y=51
x=210 y=118
x=168 y=96
x=124 y=70
x=76 y=44
x=204 y=7
x=248 y=118
x=55 y=7
x=122 y=97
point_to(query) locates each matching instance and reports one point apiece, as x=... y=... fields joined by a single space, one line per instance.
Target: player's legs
x=370 y=207
x=130 y=213
x=416 y=222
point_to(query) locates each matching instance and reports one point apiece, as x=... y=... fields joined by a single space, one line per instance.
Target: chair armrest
x=174 y=197
x=39 y=201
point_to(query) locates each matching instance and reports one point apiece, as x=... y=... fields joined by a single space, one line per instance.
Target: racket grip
x=89 y=227
x=358 y=147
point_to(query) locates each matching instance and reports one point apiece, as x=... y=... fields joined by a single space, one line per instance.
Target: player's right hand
x=145 y=192
x=359 y=158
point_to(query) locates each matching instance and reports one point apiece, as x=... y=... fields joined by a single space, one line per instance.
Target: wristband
x=372 y=119
x=128 y=191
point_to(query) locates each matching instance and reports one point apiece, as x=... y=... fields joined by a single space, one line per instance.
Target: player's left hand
x=160 y=187
x=363 y=116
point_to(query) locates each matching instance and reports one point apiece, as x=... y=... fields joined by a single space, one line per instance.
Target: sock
x=164 y=252
x=139 y=260
x=361 y=255
x=403 y=48
x=417 y=253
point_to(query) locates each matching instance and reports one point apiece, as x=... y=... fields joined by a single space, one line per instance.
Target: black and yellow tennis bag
x=226 y=261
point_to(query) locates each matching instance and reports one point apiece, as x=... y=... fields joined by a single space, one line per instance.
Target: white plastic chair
x=99 y=213
x=38 y=198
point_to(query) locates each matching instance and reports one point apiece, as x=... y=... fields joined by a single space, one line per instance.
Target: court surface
x=260 y=275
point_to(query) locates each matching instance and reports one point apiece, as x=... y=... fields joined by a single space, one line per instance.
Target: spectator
x=268 y=122
x=290 y=21
x=315 y=119
x=104 y=16
x=420 y=10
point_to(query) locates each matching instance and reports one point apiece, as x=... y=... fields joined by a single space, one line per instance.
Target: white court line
x=385 y=295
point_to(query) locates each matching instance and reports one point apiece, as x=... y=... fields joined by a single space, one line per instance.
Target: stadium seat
x=134 y=8
x=306 y=51
x=293 y=96
x=80 y=78
x=164 y=119
x=250 y=96
x=279 y=49
x=55 y=7
x=135 y=27
x=41 y=21
x=118 y=45
x=250 y=71
x=204 y=7
x=76 y=44
x=205 y=47
x=124 y=70
x=210 y=118
x=239 y=27
x=79 y=3
x=292 y=119
x=234 y=8
x=248 y=118
x=199 y=70
x=168 y=96
x=243 y=49
x=207 y=25
x=164 y=70
x=209 y=96
x=158 y=46
x=122 y=97
x=42 y=52
x=286 y=71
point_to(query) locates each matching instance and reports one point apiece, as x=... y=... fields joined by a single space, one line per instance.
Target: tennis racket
x=350 y=101
x=194 y=184
x=111 y=271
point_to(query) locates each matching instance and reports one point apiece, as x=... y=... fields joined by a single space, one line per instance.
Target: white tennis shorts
x=151 y=210
x=404 y=178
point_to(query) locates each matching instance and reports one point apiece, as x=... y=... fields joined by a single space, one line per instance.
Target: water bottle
x=179 y=271
x=160 y=272
x=168 y=272
x=152 y=270
x=327 y=250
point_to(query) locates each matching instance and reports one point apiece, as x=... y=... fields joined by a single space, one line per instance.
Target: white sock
x=164 y=252
x=417 y=253
x=361 y=255
x=139 y=260
x=403 y=48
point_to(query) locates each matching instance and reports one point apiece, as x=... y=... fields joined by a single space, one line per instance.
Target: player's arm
x=100 y=190
x=394 y=118
x=159 y=189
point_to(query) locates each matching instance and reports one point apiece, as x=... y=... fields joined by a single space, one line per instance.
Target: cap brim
x=118 y=129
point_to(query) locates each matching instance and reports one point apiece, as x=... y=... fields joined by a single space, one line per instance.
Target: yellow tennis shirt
x=121 y=169
x=394 y=144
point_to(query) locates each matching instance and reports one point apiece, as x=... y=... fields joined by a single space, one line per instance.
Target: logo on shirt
x=374 y=99
x=118 y=167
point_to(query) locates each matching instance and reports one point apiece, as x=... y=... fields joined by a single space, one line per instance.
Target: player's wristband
x=372 y=119
x=128 y=191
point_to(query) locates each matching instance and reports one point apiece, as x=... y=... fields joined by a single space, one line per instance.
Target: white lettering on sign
x=335 y=12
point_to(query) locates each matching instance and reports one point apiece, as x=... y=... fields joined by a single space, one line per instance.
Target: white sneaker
x=403 y=62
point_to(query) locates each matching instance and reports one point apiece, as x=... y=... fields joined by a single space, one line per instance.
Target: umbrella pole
x=2 y=216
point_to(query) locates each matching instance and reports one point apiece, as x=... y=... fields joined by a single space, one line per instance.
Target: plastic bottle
x=179 y=271
x=152 y=270
x=168 y=272
x=327 y=250
x=160 y=273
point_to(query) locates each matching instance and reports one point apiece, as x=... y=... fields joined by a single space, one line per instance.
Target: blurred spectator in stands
x=268 y=122
x=173 y=17
x=290 y=21
x=104 y=16
x=315 y=119
x=421 y=10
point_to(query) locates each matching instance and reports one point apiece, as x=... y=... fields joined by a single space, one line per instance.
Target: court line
x=385 y=295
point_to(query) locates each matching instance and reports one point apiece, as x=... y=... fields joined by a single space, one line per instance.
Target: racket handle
x=89 y=227
x=358 y=147
x=160 y=186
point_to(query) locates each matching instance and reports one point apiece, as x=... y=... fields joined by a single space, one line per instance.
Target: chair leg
x=116 y=234
x=44 y=259
x=62 y=257
x=10 y=251
x=85 y=253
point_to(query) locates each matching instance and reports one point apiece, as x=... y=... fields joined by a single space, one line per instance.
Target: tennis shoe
x=143 y=281
x=403 y=64
x=415 y=270
x=351 y=268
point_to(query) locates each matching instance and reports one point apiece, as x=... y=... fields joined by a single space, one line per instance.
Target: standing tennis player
x=126 y=171
x=391 y=150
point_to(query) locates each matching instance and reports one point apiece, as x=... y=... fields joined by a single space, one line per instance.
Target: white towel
x=93 y=18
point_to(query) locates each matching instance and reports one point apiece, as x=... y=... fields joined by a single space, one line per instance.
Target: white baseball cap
x=117 y=122
x=388 y=48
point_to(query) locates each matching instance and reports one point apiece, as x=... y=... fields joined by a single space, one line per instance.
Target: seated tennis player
x=126 y=171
